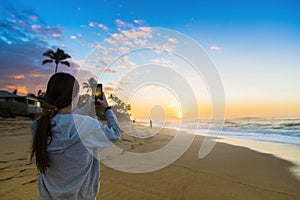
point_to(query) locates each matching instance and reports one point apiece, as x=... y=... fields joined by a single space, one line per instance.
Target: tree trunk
x=56 y=67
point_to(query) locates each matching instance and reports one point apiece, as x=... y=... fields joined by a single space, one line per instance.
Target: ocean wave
x=283 y=130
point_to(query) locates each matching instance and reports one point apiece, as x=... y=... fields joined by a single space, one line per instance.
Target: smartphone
x=98 y=93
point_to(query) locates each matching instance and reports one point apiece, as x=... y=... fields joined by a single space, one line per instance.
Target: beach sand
x=228 y=172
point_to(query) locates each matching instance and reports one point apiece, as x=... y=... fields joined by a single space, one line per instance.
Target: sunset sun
x=179 y=115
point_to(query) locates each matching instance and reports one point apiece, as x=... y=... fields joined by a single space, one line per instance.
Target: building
x=14 y=105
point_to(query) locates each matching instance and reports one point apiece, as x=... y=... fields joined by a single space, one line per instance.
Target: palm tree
x=90 y=84
x=120 y=108
x=59 y=56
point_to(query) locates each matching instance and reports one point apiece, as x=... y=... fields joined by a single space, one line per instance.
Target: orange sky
x=236 y=109
x=171 y=108
x=232 y=111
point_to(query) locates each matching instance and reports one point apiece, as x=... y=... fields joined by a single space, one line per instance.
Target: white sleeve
x=96 y=135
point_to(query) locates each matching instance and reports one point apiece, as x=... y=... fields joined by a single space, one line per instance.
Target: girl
x=65 y=143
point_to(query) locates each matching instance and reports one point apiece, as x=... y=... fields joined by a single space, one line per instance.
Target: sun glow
x=179 y=115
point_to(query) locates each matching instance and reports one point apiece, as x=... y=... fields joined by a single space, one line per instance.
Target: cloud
x=36 y=27
x=73 y=37
x=78 y=63
x=172 y=40
x=24 y=36
x=24 y=58
x=34 y=18
x=124 y=83
x=112 y=49
x=111 y=90
x=164 y=61
x=125 y=63
x=112 y=42
x=215 y=48
x=122 y=59
x=56 y=35
x=128 y=65
x=91 y=24
x=139 y=21
x=141 y=42
x=112 y=82
x=21 y=89
x=138 y=33
x=19 y=76
x=130 y=38
x=109 y=70
x=124 y=49
x=123 y=24
x=103 y=27
x=120 y=37
x=132 y=43
x=164 y=47
x=25 y=23
x=100 y=25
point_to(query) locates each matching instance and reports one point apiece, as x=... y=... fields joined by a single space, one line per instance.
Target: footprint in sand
x=8 y=178
x=31 y=181
x=23 y=158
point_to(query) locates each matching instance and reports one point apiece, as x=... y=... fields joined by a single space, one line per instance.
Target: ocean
x=279 y=130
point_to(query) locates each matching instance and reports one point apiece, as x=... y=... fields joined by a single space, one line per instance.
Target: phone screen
x=98 y=93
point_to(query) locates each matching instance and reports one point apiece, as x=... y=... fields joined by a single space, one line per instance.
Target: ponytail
x=40 y=143
x=42 y=134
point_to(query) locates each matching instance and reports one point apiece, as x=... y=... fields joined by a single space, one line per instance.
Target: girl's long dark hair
x=61 y=89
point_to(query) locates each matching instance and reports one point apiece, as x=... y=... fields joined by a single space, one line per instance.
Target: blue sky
x=254 y=44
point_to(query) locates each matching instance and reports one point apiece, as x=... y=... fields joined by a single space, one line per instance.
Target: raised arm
x=101 y=135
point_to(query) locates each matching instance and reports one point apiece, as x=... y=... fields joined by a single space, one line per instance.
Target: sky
x=254 y=45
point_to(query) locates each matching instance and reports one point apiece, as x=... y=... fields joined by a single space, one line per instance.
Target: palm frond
x=60 y=51
x=49 y=53
x=65 y=56
x=59 y=54
x=47 y=61
x=65 y=63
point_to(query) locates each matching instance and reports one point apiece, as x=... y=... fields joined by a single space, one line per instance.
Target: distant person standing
x=65 y=145
x=150 y=123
